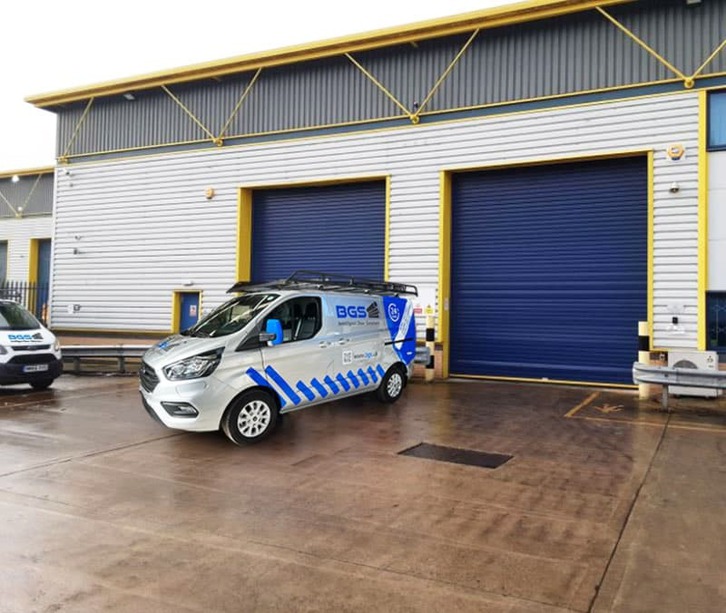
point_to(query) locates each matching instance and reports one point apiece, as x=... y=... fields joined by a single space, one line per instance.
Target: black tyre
x=392 y=384
x=41 y=384
x=252 y=417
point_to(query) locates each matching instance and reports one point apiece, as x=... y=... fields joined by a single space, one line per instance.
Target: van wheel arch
x=258 y=403
x=393 y=383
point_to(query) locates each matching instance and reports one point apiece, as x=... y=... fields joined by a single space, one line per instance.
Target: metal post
x=430 y=344
x=644 y=390
x=664 y=402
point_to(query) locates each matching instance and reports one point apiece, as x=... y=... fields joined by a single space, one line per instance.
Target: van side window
x=300 y=318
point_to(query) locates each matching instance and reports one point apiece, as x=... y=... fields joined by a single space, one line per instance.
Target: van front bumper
x=209 y=400
x=12 y=373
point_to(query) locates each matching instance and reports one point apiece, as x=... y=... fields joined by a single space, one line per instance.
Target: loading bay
x=606 y=504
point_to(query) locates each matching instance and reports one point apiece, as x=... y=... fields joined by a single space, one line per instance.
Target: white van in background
x=279 y=347
x=29 y=352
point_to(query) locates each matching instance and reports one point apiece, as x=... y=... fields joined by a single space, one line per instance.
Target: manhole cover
x=456 y=456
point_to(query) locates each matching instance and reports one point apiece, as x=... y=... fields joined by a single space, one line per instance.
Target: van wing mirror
x=273 y=332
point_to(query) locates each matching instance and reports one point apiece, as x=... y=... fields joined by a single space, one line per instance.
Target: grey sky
x=48 y=46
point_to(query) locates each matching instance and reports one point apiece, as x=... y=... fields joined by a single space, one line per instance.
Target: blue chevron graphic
x=319 y=387
x=353 y=379
x=331 y=384
x=373 y=375
x=363 y=376
x=307 y=392
x=341 y=379
x=380 y=371
x=260 y=380
x=284 y=386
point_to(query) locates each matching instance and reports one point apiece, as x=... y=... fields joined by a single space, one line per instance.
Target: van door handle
x=325 y=344
x=343 y=341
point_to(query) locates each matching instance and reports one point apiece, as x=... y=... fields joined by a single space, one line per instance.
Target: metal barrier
x=686 y=377
x=123 y=352
x=120 y=352
x=422 y=355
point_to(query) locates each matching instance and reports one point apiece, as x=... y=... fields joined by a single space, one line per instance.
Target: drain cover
x=456 y=456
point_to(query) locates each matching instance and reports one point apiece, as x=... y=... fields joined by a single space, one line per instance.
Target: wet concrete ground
x=606 y=505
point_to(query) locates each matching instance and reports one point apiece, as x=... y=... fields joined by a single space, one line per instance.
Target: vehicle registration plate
x=35 y=368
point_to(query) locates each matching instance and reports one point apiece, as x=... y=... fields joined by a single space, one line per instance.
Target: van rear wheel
x=250 y=418
x=392 y=384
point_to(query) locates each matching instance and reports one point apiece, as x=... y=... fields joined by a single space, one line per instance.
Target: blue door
x=332 y=228
x=549 y=271
x=188 y=309
x=41 y=303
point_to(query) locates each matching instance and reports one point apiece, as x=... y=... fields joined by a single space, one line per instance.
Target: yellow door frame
x=176 y=307
x=445 y=206
x=244 y=217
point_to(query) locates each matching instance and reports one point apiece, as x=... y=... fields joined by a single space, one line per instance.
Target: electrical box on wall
x=702 y=360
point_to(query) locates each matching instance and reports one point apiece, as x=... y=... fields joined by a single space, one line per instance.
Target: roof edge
x=25 y=172
x=530 y=10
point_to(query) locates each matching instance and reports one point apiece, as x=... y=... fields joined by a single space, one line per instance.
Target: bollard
x=430 y=336
x=643 y=356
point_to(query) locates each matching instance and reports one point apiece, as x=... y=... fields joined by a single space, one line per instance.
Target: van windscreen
x=232 y=316
x=15 y=317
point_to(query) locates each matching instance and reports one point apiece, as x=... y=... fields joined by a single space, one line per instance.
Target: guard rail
x=121 y=353
x=670 y=375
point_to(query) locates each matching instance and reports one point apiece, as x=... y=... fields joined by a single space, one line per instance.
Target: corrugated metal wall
x=18 y=233
x=26 y=195
x=558 y=56
x=131 y=231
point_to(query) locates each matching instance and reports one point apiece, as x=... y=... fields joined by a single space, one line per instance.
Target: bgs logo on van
x=357 y=312
x=25 y=338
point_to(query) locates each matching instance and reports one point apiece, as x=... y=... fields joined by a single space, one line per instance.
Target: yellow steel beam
x=30 y=194
x=446 y=72
x=67 y=150
x=242 y=98
x=383 y=88
x=520 y=12
x=10 y=206
x=191 y=115
x=711 y=57
x=639 y=41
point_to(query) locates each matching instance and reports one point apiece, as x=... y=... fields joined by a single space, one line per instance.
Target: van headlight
x=195 y=367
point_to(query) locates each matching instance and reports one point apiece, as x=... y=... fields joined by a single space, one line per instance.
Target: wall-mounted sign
x=676 y=152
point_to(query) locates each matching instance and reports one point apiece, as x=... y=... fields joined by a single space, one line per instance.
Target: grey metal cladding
x=324 y=92
x=31 y=195
x=569 y=54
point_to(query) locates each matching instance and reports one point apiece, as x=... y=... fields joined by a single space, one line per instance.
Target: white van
x=279 y=347
x=29 y=352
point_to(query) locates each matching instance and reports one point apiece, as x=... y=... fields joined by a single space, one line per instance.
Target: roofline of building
x=520 y=12
x=25 y=172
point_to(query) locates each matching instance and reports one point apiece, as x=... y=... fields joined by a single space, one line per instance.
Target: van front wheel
x=41 y=384
x=392 y=384
x=250 y=418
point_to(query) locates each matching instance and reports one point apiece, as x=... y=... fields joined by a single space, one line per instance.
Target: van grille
x=30 y=347
x=148 y=377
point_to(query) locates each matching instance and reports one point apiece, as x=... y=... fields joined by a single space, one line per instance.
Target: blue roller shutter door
x=334 y=228
x=549 y=271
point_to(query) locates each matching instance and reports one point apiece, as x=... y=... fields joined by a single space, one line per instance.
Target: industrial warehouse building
x=548 y=173
x=26 y=228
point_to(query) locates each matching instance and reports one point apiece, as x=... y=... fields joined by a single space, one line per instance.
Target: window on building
x=716 y=321
x=717 y=120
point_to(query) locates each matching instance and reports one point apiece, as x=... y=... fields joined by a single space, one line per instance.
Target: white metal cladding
x=18 y=233
x=142 y=227
x=717 y=221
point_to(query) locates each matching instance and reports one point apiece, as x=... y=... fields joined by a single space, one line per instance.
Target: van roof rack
x=311 y=279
